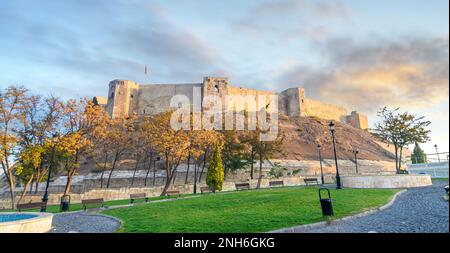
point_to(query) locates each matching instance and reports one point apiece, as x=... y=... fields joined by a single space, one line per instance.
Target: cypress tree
x=418 y=156
x=215 y=176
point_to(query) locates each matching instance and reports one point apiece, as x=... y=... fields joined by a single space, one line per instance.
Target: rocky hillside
x=303 y=134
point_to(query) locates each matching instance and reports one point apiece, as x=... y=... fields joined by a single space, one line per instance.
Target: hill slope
x=302 y=134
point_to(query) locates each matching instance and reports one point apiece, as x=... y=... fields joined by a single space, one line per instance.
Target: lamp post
x=332 y=128
x=437 y=152
x=154 y=169
x=50 y=168
x=355 y=152
x=320 y=160
x=195 y=178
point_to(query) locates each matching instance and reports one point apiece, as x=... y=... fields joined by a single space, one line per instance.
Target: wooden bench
x=276 y=183
x=173 y=193
x=136 y=196
x=311 y=180
x=205 y=189
x=86 y=202
x=34 y=205
x=243 y=186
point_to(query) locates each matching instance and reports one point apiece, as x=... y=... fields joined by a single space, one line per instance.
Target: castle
x=126 y=97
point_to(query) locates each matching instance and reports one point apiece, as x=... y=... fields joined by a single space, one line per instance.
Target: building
x=127 y=97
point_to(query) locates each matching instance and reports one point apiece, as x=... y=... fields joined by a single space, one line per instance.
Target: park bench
x=137 y=196
x=86 y=202
x=34 y=205
x=276 y=183
x=173 y=193
x=311 y=180
x=243 y=186
x=205 y=189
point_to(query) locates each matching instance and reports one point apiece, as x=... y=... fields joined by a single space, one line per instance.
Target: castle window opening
x=216 y=86
x=112 y=94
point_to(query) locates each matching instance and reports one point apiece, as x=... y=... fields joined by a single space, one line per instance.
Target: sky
x=360 y=54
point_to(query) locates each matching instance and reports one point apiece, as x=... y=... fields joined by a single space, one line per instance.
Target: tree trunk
x=154 y=173
x=112 y=170
x=168 y=177
x=138 y=159
x=11 y=189
x=24 y=192
x=400 y=159
x=148 y=169
x=188 y=165
x=69 y=181
x=101 y=178
x=396 y=158
x=252 y=159
x=260 y=171
x=203 y=168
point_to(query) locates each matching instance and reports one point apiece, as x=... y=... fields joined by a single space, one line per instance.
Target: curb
x=305 y=228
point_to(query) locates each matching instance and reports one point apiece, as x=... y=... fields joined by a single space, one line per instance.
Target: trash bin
x=65 y=203
x=326 y=203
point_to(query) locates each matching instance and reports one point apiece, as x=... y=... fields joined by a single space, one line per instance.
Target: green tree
x=233 y=152
x=400 y=130
x=418 y=156
x=215 y=175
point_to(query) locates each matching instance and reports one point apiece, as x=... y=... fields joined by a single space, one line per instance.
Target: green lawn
x=246 y=211
x=439 y=179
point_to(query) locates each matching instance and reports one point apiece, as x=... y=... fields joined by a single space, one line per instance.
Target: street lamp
x=355 y=152
x=50 y=168
x=320 y=159
x=332 y=128
x=154 y=169
x=437 y=152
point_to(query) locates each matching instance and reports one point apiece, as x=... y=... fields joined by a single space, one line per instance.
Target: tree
x=418 y=155
x=42 y=120
x=265 y=150
x=233 y=152
x=121 y=140
x=13 y=103
x=251 y=140
x=215 y=175
x=170 y=144
x=140 y=151
x=84 y=122
x=400 y=130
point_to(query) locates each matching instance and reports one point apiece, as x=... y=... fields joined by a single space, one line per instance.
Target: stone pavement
x=418 y=210
x=83 y=222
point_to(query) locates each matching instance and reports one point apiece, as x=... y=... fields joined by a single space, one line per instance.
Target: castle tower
x=122 y=98
x=215 y=86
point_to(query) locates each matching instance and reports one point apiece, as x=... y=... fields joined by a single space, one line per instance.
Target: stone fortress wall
x=126 y=97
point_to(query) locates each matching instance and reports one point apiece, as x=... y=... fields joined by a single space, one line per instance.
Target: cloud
x=102 y=45
x=408 y=72
x=292 y=18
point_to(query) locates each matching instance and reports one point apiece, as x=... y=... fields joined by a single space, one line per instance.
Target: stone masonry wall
x=126 y=97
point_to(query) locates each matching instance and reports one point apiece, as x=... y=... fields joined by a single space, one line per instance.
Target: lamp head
x=331 y=126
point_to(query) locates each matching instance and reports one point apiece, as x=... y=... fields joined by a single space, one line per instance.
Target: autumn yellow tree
x=120 y=137
x=172 y=145
x=83 y=123
x=42 y=119
x=13 y=103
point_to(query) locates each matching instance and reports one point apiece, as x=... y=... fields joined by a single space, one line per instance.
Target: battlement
x=127 y=97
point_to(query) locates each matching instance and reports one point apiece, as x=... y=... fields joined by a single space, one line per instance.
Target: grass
x=247 y=211
x=439 y=179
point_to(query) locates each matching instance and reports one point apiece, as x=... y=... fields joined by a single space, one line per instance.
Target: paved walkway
x=418 y=210
x=83 y=222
